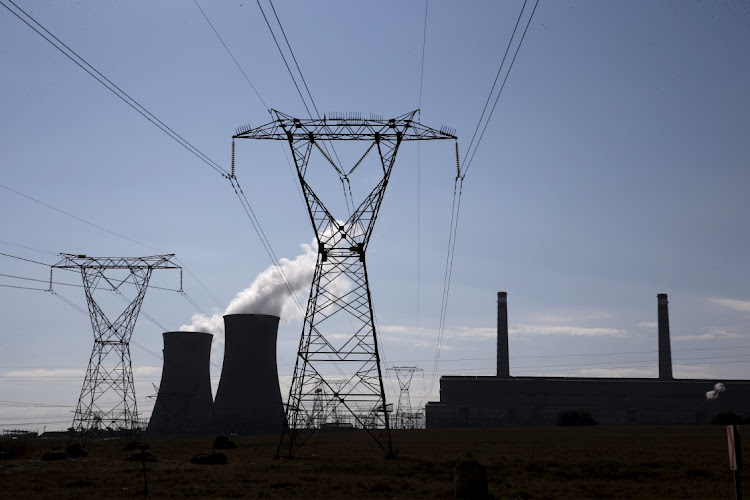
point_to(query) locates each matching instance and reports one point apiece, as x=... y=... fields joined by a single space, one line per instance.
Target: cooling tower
x=248 y=400
x=503 y=361
x=665 y=349
x=183 y=404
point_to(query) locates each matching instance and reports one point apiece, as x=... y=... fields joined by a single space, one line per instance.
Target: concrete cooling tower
x=248 y=400
x=183 y=405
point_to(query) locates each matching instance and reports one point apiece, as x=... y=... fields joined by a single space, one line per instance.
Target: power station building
x=503 y=400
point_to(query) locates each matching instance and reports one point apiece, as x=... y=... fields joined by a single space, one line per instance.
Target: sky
x=615 y=166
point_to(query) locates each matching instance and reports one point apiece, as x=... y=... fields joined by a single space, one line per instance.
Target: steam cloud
x=268 y=294
x=718 y=388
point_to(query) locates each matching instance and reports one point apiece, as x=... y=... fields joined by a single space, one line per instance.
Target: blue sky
x=615 y=167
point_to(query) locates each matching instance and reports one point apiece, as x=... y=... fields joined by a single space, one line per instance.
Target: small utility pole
x=735 y=458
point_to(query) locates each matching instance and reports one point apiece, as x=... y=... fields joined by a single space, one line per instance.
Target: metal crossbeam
x=107 y=401
x=337 y=376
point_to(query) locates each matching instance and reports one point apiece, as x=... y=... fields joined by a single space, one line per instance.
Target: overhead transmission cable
x=419 y=195
x=247 y=78
x=231 y=55
x=21 y=258
x=453 y=232
x=471 y=152
x=27 y=248
x=181 y=291
x=83 y=64
x=342 y=177
x=461 y=173
x=122 y=95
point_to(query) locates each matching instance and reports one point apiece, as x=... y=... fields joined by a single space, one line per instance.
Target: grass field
x=554 y=462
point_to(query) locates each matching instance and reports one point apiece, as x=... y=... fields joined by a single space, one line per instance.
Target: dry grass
x=590 y=462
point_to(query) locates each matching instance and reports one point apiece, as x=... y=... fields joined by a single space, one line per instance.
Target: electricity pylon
x=108 y=394
x=338 y=335
x=405 y=417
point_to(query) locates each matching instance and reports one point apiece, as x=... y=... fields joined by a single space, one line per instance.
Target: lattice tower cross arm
x=305 y=134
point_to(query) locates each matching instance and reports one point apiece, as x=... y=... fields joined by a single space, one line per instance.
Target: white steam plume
x=268 y=294
x=718 y=388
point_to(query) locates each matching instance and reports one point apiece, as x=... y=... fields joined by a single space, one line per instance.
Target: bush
x=50 y=456
x=75 y=450
x=135 y=445
x=13 y=448
x=213 y=458
x=729 y=418
x=224 y=443
x=575 y=417
x=141 y=456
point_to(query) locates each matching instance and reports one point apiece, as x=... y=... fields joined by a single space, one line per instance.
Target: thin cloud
x=478 y=332
x=407 y=331
x=551 y=318
x=734 y=304
x=712 y=333
x=45 y=373
x=622 y=372
x=577 y=331
x=144 y=371
x=651 y=325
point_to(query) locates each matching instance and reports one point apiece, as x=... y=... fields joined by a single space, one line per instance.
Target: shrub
x=213 y=458
x=13 y=448
x=575 y=417
x=50 y=456
x=75 y=450
x=729 y=418
x=223 y=443
x=141 y=456
x=135 y=445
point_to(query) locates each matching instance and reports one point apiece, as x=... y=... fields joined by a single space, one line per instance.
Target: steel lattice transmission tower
x=108 y=394
x=405 y=417
x=340 y=297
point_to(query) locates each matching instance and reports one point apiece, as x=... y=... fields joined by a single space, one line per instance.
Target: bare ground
x=559 y=462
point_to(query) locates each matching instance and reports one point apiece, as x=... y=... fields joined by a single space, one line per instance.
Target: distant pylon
x=107 y=401
x=405 y=417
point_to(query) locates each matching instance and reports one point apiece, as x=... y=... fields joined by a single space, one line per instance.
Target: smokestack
x=503 y=356
x=248 y=400
x=665 y=350
x=183 y=404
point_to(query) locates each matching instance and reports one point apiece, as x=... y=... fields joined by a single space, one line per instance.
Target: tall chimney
x=183 y=403
x=665 y=350
x=248 y=400
x=503 y=362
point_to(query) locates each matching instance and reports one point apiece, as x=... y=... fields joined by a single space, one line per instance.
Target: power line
x=76 y=217
x=458 y=185
x=590 y=354
x=264 y=240
x=23 y=287
x=231 y=55
x=122 y=95
x=21 y=258
x=344 y=179
x=265 y=105
x=453 y=232
x=38 y=280
x=497 y=97
x=150 y=117
x=419 y=189
x=497 y=76
x=294 y=58
x=27 y=248
x=294 y=80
